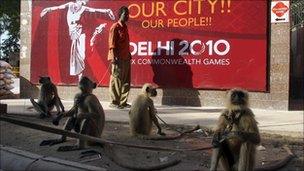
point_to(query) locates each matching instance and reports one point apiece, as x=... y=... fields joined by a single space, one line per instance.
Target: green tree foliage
x=10 y=24
x=297 y=12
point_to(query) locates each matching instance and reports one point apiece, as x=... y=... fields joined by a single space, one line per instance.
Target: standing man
x=119 y=55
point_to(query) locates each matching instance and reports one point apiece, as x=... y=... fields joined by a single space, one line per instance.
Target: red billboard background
x=211 y=44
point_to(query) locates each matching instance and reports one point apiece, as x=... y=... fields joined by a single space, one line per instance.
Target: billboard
x=205 y=44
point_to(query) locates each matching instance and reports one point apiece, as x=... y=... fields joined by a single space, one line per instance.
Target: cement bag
x=5 y=65
x=3 y=92
x=8 y=87
x=8 y=81
x=2 y=70
x=8 y=75
x=8 y=70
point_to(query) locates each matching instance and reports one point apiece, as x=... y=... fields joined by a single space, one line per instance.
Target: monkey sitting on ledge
x=48 y=98
x=86 y=117
x=142 y=113
x=236 y=135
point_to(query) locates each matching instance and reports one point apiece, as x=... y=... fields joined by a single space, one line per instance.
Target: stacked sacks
x=6 y=78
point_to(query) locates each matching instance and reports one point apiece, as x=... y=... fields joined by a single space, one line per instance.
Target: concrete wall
x=276 y=98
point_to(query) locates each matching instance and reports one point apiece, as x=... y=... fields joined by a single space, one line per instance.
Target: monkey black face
x=85 y=83
x=43 y=80
x=152 y=91
x=94 y=85
x=238 y=97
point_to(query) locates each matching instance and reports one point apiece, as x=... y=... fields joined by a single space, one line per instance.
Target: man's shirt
x=119 y=41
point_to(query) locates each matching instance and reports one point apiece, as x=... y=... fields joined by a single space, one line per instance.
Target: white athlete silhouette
x=75 y=10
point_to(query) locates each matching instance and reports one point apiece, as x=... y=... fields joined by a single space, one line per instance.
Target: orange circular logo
x=280 y=9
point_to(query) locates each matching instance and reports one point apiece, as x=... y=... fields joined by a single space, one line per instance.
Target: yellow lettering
x=144 y=9
x=160 y=23
x=191 y=21
x=199 y=6
x=169 y=22
x=190 y=7
x=212 y=3
x=182 y=22
x=152 y=23
x=175 y=7
x=145 y=24
x=160 y=6
x=137 y=7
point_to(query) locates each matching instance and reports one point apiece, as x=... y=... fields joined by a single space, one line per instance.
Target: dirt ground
x=29 y=140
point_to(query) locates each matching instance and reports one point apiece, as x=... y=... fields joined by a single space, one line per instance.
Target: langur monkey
x=236 y=135
x=142 y=113
x=48 y=98
x=86 y=117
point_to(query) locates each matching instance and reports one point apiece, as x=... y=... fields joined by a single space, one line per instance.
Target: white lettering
x=142 y=48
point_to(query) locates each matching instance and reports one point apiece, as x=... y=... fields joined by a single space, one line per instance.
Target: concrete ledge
x=289 y=123
x=3 y=108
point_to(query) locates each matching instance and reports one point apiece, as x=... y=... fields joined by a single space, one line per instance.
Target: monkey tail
x=112 y=155
x=279 y=164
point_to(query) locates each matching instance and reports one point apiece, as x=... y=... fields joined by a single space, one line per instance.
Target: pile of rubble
x=6 y=79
